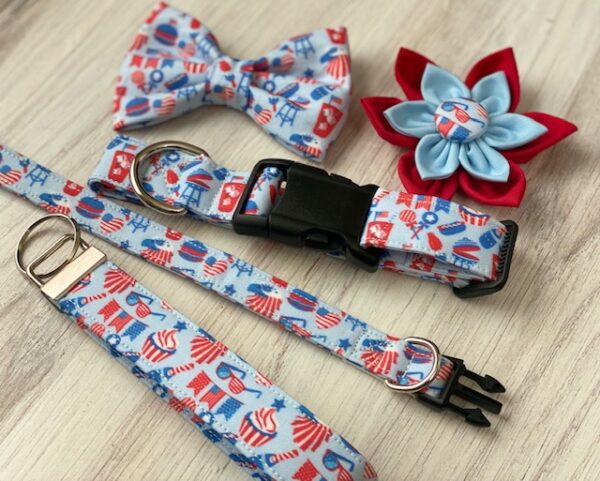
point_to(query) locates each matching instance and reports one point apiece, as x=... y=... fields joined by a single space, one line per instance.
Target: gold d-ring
x=410 y=388
x=75 y=236
x=135 y=176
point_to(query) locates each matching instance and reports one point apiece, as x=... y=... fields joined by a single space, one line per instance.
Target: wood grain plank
x=69 y=412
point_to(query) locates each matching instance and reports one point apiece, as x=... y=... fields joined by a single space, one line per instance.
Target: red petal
x=374 y=107
x=409 y=70
x=407 y=170
x=558 y=129
x=502 y=60
x=509 y=193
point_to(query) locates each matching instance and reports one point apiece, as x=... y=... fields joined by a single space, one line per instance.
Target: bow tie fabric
x=299 y=93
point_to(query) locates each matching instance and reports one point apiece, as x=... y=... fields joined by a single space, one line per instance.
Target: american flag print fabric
x=299 y=93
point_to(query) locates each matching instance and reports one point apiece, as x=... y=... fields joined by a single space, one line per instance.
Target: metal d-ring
x=135 y=176
x=75 y=236
x=437 y=361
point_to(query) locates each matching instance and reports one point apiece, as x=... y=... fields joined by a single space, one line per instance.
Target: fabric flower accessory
x=463 y=134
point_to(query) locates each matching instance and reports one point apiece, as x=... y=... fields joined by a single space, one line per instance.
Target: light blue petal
x=509 y=131
x=493 y=93
x=438 y=85
x=414 y=118
x=483 y=162
x=435 y=157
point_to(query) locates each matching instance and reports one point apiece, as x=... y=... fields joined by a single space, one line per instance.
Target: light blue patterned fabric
x=210 y=192
x=380 y=354
x=464 y=127
x=259 y=426
x=299 y=93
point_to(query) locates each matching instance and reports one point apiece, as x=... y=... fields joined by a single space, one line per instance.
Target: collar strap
x=374 y=228
x=397 y=361
x=258 y=425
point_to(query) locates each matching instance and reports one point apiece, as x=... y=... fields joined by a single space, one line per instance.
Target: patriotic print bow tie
x=299 y=93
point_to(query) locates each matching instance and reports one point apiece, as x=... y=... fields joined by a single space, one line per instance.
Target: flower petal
x=407 y=171
x=509 y=131
x=503 y=60
x=493 y=93
x=414 y=118
x=374 y=108
x=435 y=157
x=438 y=85
x=558 y=129
x=409 y=70
x=483 y=162
x=508 y=194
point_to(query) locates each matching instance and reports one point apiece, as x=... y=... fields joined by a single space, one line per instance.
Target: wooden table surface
x=68 y=411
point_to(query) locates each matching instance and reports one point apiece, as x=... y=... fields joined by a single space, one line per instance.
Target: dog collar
x=301 y=205
x=406 y=365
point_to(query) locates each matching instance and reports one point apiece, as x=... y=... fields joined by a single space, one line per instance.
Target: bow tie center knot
x=231 y=80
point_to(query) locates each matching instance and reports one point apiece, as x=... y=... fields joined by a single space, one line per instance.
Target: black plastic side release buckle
x=484 y=288
x=454 y=388
x=319 y=210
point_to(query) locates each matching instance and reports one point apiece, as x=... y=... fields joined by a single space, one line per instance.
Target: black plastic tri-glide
x=317 y=209
x=484 y=288
x=454 y=387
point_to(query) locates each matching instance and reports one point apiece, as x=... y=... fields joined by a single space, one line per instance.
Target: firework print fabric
x=299 y=93
x=269 y=434
x=295 y=310
x=418 y=235
x=463 y=135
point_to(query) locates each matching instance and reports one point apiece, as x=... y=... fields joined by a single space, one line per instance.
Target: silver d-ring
x=135 y=174
x=76 y=235
x=437 y=361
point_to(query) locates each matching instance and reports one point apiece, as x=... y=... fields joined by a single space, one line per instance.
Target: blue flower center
x=461 y=120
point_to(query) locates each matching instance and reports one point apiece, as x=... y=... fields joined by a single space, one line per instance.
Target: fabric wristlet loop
x=259 y=426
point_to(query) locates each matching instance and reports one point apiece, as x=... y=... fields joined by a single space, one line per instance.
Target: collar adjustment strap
x=454 y=387
x=316 y=209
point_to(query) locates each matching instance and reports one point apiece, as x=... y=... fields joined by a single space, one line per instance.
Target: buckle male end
x=454 y=387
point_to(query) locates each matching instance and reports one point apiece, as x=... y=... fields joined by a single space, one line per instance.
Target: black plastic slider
x=318 y=210
x=484 y=288
x=454 y=387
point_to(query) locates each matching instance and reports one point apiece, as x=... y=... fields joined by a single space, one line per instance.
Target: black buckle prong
x=454 y=387
x=484 y=288
x=317 y=209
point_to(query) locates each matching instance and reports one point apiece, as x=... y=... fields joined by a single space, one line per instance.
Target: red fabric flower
x=409 y=69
